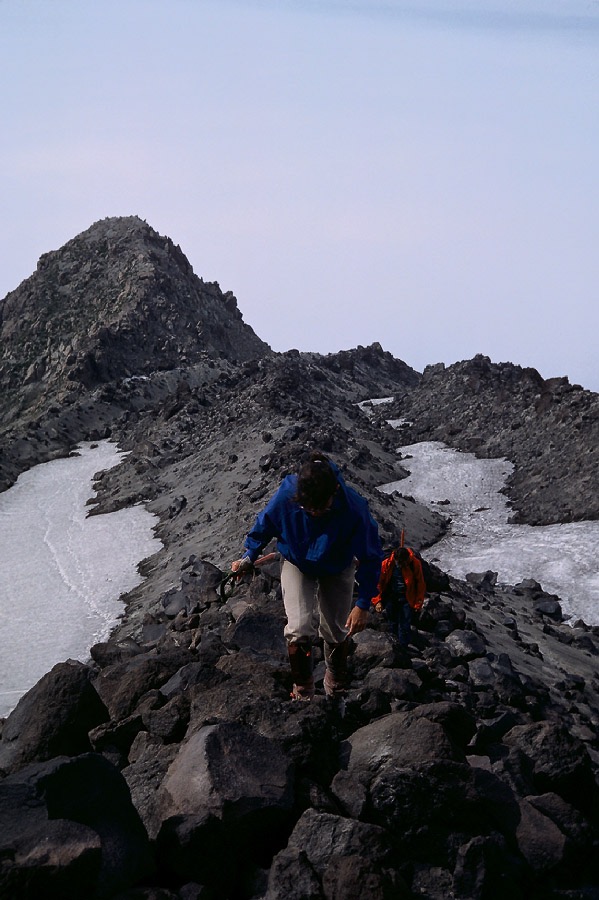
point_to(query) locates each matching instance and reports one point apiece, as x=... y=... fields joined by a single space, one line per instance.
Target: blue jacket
x=322 y=545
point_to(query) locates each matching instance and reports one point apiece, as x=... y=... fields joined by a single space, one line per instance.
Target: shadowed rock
x=333 y=857
x=556 y=761
x=122 y=685
x=225 y=780
x=53 y=718
x=68 y=829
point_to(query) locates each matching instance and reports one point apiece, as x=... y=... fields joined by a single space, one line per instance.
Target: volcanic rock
x=174 y=765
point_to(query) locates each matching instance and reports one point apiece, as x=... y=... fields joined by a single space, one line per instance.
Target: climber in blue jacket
x=328 y=541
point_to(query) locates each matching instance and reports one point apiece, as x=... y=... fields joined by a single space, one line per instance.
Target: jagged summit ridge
x=115 y=301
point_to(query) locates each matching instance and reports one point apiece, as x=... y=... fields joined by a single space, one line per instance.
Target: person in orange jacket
x=401 y=589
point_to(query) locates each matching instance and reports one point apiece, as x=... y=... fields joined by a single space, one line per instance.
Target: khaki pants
x=316 y=605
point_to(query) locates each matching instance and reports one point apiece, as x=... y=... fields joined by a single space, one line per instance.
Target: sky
x=420 y=174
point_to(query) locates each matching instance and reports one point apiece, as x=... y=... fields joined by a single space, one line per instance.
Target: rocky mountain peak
x=118 y=300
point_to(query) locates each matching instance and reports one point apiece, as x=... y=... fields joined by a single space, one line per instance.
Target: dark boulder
x=259 y=632
x=457 y=723
x=556 y=761
x=540 y=841
x=226 y=780
x=465 y=645
x=53 y=718
x=123 y=684
x=329 y=857
x=149 y=760
x=397 y=742
x=39 y=856
x=486 y=869
x=68 y=829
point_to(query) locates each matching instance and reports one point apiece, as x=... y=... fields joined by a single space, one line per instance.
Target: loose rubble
x=179 y=766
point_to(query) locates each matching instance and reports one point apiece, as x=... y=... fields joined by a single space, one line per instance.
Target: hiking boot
x=300 y=661
x=336 y=676
x=303 y=691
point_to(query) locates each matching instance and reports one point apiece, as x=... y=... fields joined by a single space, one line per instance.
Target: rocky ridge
x=548 y=428
x=173 y=764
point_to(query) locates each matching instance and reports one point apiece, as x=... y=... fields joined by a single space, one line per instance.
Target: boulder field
x=176 y=765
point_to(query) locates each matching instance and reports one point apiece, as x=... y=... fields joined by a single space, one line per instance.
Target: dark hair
x=403 y=554
x=316 y=482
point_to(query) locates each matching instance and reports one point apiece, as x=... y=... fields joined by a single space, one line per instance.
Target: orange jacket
x=412 y=575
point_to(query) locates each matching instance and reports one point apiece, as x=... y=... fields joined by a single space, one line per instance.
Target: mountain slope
x=466 y=767
x=118 y=300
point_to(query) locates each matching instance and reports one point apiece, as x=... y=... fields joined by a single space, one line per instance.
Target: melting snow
x=61 y=572
x=564 y=559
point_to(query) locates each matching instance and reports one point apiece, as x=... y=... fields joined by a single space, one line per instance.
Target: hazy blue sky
x=352 y=171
